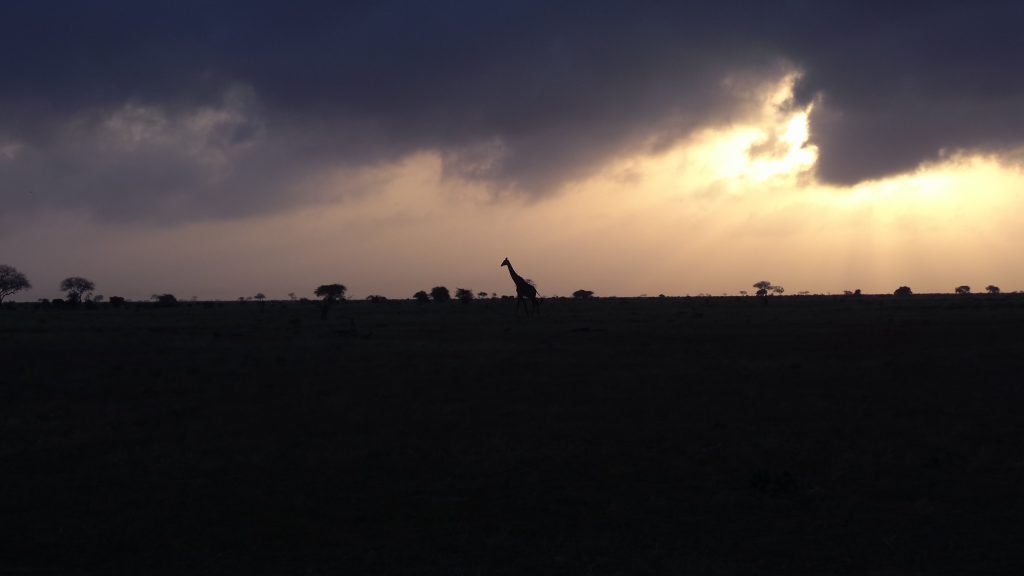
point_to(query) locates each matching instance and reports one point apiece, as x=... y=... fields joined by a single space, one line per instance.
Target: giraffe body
x=526 y=293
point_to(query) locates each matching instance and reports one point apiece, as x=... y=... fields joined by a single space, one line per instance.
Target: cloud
x=188 y=111
x=908 y=83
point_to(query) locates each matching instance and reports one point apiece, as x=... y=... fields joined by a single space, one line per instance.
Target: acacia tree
x=330 y=293
x=11 y=281
x=963 y=289
x=77 y=288
x=421 y=297
x=464 y=295
x=992 y=289
x=903 y=291
x=763 y=287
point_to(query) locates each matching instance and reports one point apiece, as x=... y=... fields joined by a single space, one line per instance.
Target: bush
x=440 y=294
x=165 y=300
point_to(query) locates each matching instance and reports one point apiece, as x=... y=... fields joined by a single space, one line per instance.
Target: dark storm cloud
x=902 y=83
x=190 y=109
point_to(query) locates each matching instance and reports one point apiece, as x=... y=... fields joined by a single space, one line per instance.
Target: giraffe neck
x=515 y=277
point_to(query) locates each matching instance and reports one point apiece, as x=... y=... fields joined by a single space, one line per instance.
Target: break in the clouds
x=192 y=110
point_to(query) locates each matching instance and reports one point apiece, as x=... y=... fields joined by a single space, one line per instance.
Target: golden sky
x=713 y=214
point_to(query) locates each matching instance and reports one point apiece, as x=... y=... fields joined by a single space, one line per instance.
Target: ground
x=793 y=435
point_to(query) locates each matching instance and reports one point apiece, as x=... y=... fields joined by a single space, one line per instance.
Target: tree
x=464 y=295
x=481 y=294
x=291 y=296
x=77 y=288
x=582 y=294
x=259 y=296
x=763 y=285
x=778 y=290
x=965 y=289
x=331 y=292
x=164 y=300
x=992 y=289
x=11 y=281
x=440 y=294
x=421 y=297
x=743 y=292
x=903 y=291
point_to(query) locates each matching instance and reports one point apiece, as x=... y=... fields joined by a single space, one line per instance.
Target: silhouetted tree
x=11 y=281
x=903 y=291
x=965 y=289
x=481 y=295
x=778 y=290
x=330 y=292
x=164 y=300
x=582 y=294
x=376 y=299
x=762 y=292
x=464 y=295
x=291 y=296
x=421 y=297
x=76 y=288
x=440 y=294
x=260 y=297
x=992 y=289
x=743 y=292
x=116 y=301
x=763 y=285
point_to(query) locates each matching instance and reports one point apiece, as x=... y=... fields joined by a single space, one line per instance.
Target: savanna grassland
x=801 y=435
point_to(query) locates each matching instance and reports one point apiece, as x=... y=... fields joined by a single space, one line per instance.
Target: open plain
x=793 y=435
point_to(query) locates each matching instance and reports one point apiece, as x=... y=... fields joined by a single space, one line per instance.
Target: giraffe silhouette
x=524 y=290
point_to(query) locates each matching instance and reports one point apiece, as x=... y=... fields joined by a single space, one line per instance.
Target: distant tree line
x=79 y=290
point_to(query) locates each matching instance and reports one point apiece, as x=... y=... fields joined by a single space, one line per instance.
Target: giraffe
x=524 y=290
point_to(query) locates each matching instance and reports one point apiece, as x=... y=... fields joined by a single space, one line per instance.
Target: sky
x=218 y=150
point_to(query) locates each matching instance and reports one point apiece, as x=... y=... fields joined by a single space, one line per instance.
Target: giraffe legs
x=521 y=301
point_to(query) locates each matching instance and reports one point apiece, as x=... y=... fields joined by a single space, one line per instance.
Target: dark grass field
x=807 y=435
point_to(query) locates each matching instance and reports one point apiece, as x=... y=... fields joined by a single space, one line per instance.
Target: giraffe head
x=505 y=262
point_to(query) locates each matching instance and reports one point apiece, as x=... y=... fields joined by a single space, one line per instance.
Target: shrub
x=440 y=294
